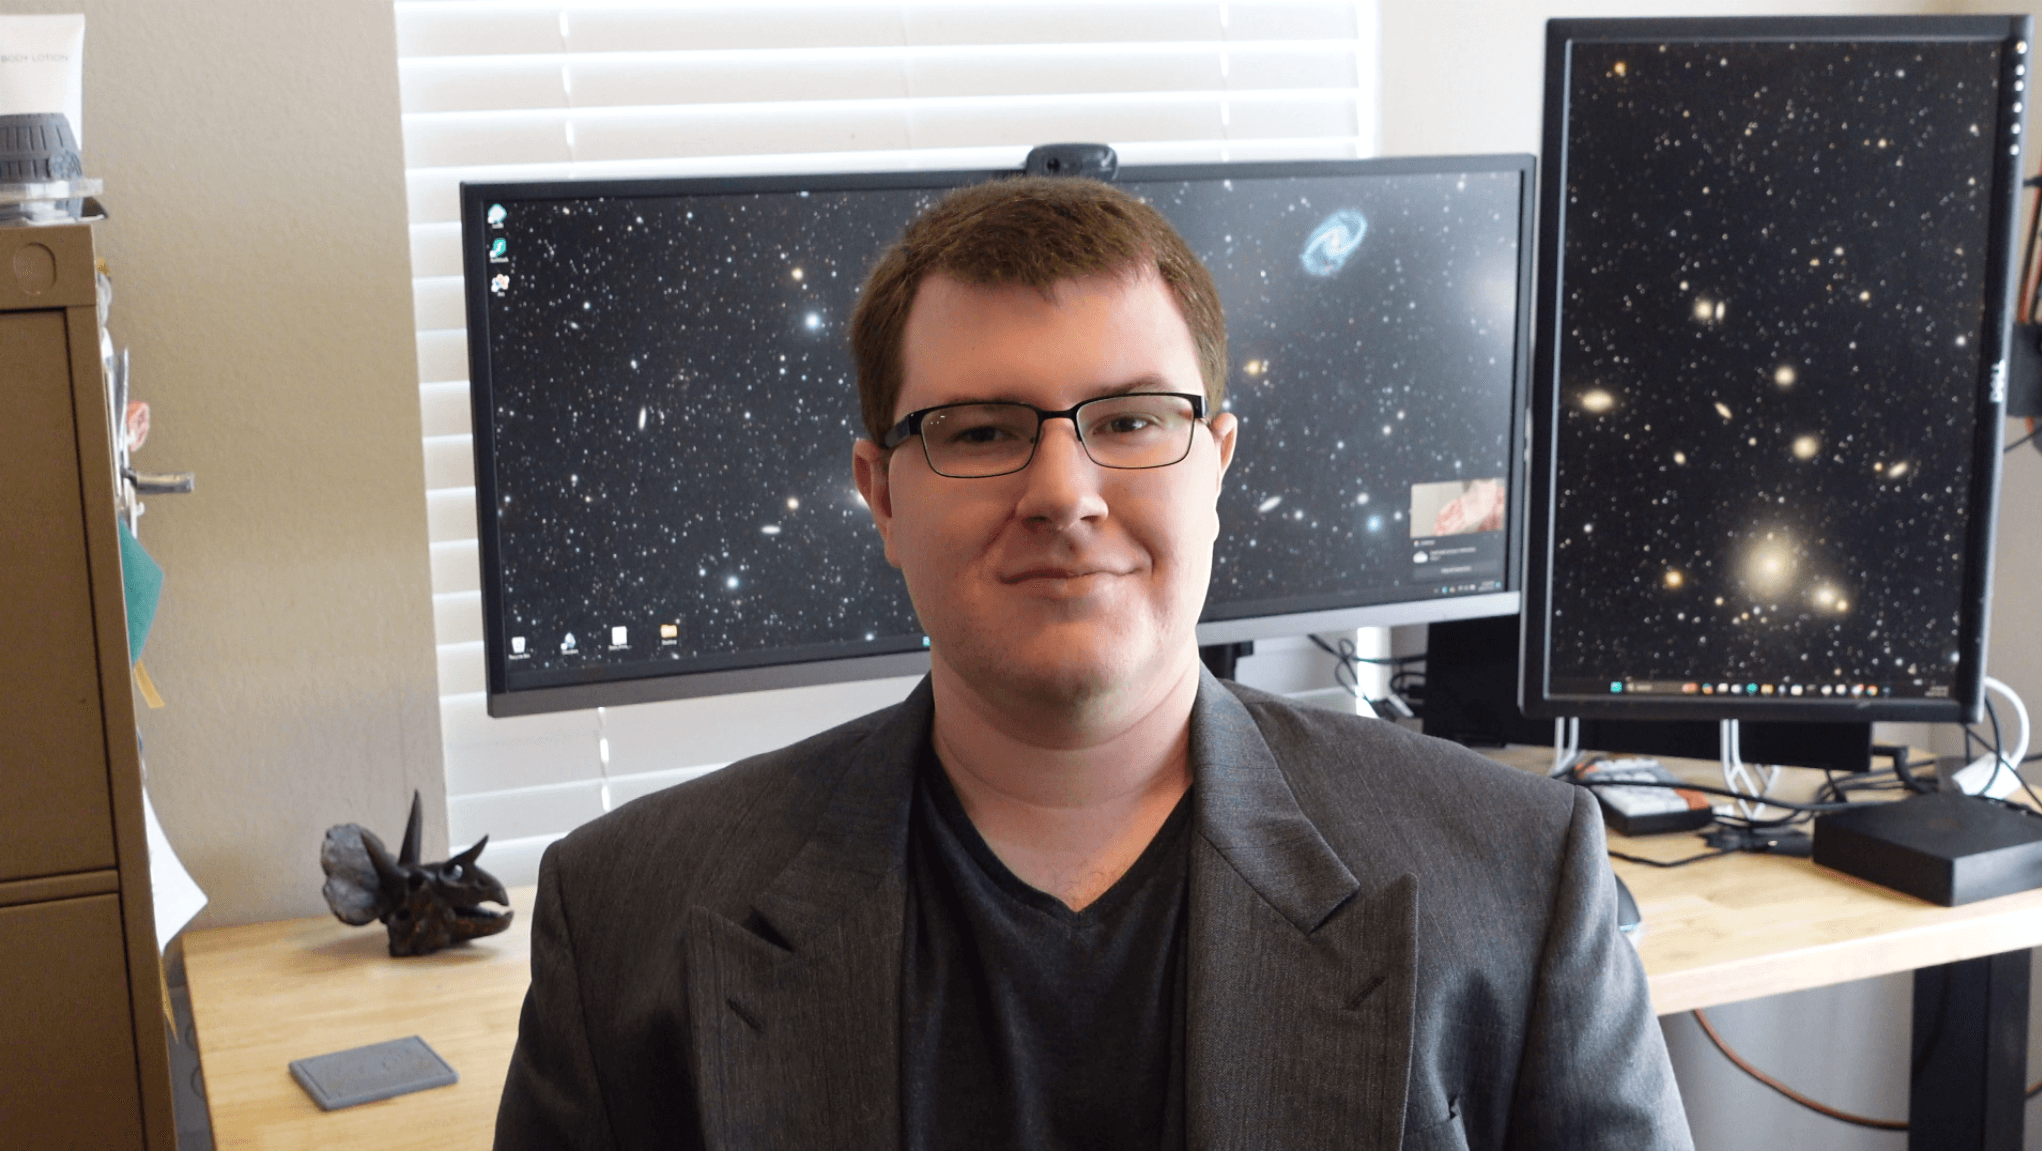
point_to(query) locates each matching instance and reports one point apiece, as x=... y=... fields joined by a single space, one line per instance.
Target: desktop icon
x=1857 y=689
x=1751 y=689
x=499 y=283
x=496 y=215
x=518 y=644
x=670 y=631
x=1689 y=688
x=1616 y=685
x=1765 y=689
x=1708 y=689
x=567 y=645
x=1722 y=689
x=499 y=250
x=1795 y=690
x=618 y=637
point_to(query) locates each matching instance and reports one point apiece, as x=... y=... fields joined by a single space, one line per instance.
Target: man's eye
x=1123 y=424
x=983 y=434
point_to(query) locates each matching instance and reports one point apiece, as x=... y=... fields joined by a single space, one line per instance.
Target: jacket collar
x=860 y=843
x=1247 y=811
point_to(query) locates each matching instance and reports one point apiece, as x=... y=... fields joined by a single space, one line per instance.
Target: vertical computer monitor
x=665 y=403
x=1774 y=292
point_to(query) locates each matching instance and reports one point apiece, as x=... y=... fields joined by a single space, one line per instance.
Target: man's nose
x=1063 y=482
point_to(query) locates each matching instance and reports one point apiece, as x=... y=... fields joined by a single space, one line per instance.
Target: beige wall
x=254 y=172
x=1465 y=76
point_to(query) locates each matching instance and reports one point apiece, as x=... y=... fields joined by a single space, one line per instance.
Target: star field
x=1353 y=379
x=675 y=404
x=1773 y=314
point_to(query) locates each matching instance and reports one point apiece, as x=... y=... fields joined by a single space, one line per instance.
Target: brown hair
x=1036 y=231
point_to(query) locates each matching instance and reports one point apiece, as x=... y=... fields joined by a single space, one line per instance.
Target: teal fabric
x=142 y=583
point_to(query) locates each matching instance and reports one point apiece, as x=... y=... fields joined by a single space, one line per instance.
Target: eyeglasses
x=981 y=440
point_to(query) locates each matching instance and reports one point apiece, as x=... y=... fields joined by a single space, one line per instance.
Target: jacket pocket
x=1439 y=1134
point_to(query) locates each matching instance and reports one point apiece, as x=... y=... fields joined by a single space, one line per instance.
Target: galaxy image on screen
x=673 y=406
x=1773 y=296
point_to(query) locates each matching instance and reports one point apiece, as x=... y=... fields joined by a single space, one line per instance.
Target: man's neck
x=1067 y=808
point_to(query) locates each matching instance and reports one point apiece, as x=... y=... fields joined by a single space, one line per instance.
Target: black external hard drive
x=1944 y=847
x=366 y=1074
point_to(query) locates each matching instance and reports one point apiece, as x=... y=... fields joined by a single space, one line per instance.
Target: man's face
x=1065 y=583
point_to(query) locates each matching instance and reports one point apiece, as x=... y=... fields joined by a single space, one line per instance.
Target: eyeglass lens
x=1135 y=431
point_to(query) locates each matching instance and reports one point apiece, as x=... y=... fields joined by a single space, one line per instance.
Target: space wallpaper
x=1770 y=351
x=674 y=406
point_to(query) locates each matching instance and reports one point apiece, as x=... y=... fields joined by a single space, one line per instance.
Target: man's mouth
x=1027 y=575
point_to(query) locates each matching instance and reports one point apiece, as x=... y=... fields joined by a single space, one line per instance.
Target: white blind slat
x=435 y=245
x=468 y=85
x=438 y=302
x=719 y=729
x=450 y=515
x=443 y=409
x=514 y=814
x=465 y=722
x=1049 y=23
x=455 y=568
x=457 y=618
x=477 y=30
x=461 y=667
x=774 y=27
x=443 y=355
x=543 y=135
x=642 y=79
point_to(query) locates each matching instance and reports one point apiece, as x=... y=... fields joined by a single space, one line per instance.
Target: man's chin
x=1071 y=669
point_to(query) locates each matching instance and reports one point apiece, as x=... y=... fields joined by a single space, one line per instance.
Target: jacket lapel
x=796 y=1012
x=1301 y=983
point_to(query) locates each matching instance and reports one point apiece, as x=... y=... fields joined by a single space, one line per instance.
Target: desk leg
x=1970 y=1055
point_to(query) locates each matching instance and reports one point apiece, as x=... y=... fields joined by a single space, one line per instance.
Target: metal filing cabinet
x=83 y=1059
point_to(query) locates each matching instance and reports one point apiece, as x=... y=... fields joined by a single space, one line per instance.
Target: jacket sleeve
x=1594 y=1073
x=552 y=1100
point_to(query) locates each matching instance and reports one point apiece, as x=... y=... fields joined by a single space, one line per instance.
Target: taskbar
x=1751 y=689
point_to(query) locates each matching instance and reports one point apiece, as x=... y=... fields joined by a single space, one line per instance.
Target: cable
x=2025 y=302
x=1819 y=1108
x=2024 y=439
x=1812 y=808
x=1348 y=660
x=1628 y=858
x=1348 y=652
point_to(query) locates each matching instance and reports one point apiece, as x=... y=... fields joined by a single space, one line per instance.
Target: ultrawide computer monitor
x=665 y=405
x=1774 y=293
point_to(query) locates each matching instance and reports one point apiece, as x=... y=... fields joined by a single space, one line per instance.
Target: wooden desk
x=1719 y=931
x=1745 y=926
x=268 y=993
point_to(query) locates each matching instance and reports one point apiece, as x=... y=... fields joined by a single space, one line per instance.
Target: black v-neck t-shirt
x=1025 y=1024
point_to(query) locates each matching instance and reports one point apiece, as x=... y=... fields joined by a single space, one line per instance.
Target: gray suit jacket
x=1391 y=938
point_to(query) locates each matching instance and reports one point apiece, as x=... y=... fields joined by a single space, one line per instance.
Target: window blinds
x=516 y=91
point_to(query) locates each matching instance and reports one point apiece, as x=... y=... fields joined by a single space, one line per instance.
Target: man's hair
x=1036 y=231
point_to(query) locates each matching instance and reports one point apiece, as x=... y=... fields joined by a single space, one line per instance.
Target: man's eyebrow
x=1146 y=382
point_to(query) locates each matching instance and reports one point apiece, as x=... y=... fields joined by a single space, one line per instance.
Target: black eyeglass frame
x=911 y=425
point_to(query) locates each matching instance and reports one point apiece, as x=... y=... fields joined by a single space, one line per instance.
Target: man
x=1075 y=892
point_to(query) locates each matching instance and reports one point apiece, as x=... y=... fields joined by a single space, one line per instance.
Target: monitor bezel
x=1254 y=620
x=1965 y=704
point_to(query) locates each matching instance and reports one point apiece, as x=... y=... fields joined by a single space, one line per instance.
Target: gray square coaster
x=366 y=1074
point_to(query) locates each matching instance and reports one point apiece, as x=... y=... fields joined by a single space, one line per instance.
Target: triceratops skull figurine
x=424 y=906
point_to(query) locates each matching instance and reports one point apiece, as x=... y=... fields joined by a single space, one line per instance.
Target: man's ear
x=875 y=486
x=1224 y=428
